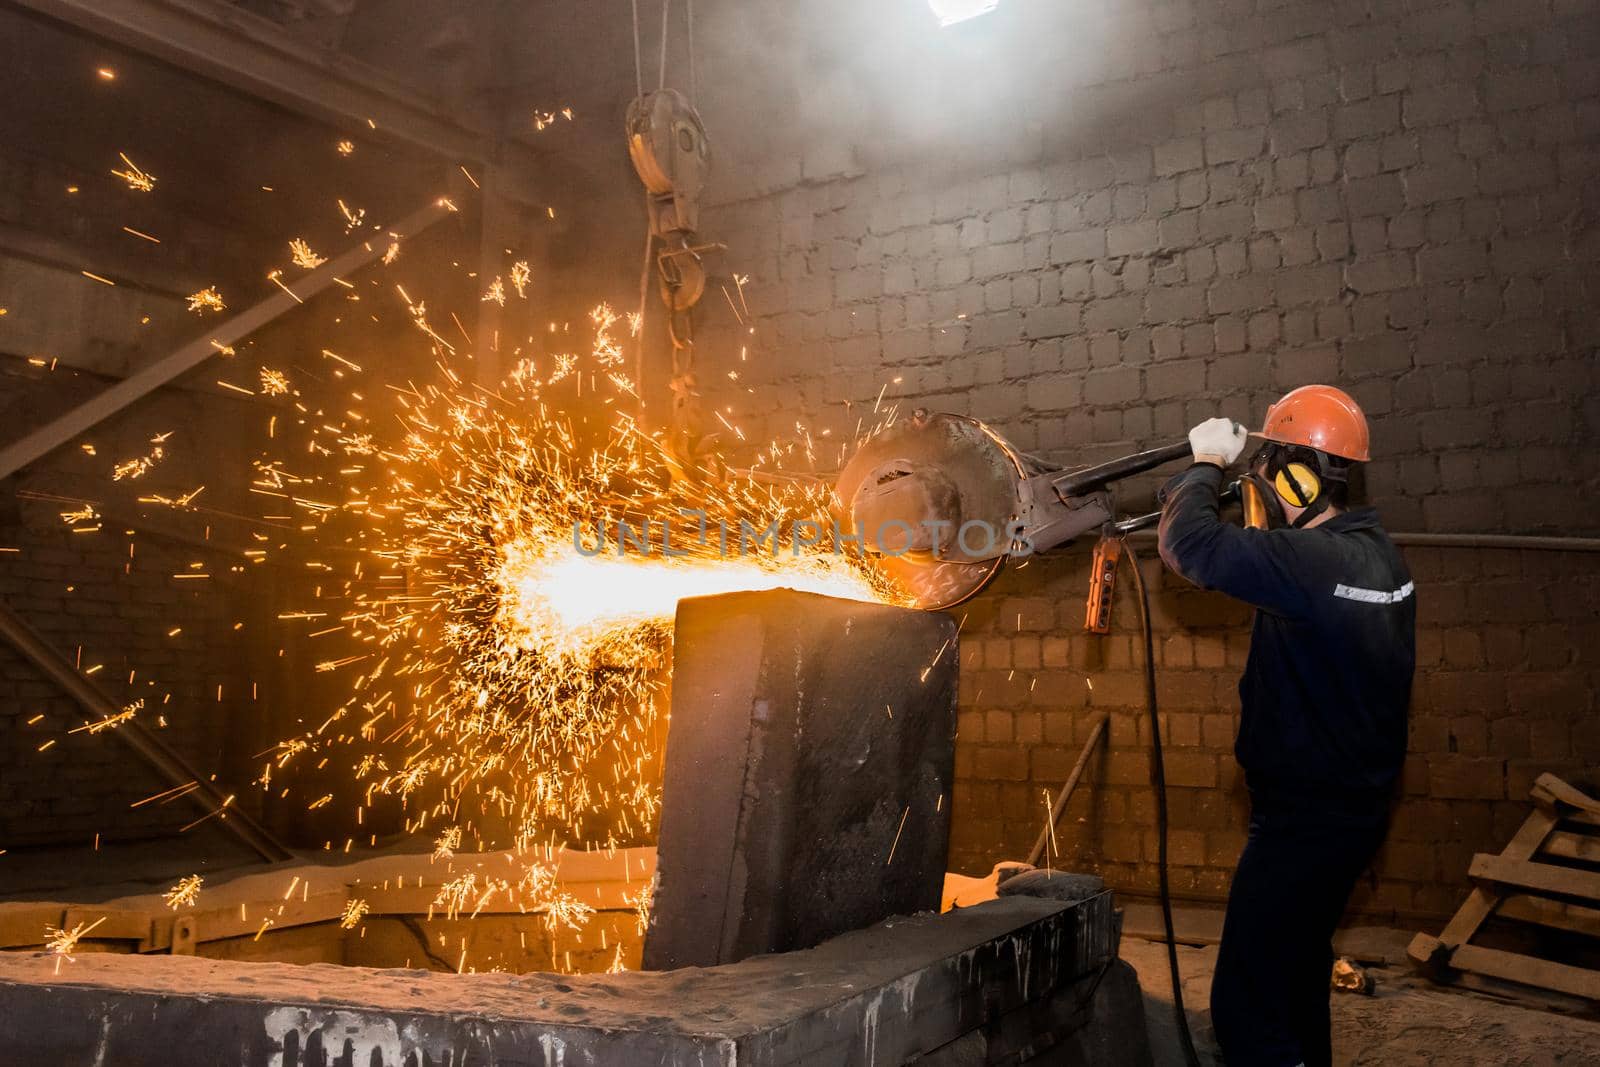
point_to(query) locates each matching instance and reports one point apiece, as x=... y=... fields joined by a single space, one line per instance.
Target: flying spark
x=448 y=842
x=521 y=274
x=62 y=942
x=274 y=382
x=352 y=216
x=185 y=893
x=303 y=256
x=207 y=299
x=137 y=179
x=139 y=466
x=112 y=721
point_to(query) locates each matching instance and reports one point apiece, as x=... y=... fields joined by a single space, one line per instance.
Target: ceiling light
x=951 y=12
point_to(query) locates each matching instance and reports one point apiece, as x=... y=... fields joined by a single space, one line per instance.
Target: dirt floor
x=1408 y=1020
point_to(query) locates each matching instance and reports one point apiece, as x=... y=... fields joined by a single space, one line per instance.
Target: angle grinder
x=943 y=501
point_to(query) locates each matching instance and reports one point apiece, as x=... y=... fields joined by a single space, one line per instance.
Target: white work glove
x=1218 y=441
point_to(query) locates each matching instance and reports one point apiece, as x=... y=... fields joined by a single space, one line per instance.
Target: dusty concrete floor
x=1407 y=1021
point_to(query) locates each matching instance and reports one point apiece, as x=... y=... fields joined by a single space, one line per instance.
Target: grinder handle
x=1091 y=479
x=1229 y=494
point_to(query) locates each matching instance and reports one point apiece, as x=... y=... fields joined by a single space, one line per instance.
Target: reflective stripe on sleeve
x=1374 y=596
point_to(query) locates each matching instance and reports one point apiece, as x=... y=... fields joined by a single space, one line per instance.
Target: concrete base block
x=1010 y=981
x=808 y=773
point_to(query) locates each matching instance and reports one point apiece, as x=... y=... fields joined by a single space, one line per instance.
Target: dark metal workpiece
x=808 y=773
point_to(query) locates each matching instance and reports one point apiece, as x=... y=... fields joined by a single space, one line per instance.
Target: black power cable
x=1159 y=776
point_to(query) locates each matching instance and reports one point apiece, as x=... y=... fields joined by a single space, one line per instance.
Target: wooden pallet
x=1522 y=884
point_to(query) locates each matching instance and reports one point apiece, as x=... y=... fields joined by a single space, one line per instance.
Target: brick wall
x=105 y=594
x=1505 y=690
x=236 y=180
x=147 y=637
x=1151 y=213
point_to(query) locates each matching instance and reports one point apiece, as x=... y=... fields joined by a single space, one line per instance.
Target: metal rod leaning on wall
x=146 y=380
x=156 y=752
x=1066 y=790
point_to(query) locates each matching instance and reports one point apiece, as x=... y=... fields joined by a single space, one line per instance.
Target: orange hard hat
x=1319 y=417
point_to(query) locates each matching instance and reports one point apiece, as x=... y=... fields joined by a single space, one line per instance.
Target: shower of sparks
x=521 y=274
x=207 y=299
x=358 y=444
x=502 y=657
x=139 y=466
x=454 y=895
x=538 y=890
x=568 y=911
x=896 y=843
x=276 y=278
x=642 y=902
x=110 y=722
x=303 y=256
x=137 y=179
x=419 y=316
x=339 y=359
x=62 y=942
x=274 y=382
x=542 y=119
x=185 y=893
x=502 y=681
x=1050 y=823
x=353 y=217
x=179 y=502
x=445 y=847
x=607 y=351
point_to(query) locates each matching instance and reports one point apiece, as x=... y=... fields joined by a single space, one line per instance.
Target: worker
x=1323 y=703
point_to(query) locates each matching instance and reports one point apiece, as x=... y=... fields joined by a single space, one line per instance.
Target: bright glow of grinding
x=502 y=680
x=561 y=599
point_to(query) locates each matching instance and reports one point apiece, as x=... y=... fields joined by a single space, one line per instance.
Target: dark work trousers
x=1269 y=996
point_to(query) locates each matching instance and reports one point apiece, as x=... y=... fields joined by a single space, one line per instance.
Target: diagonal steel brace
x=146 y=380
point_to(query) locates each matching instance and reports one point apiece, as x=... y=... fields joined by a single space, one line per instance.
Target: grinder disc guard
x=913 y=488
